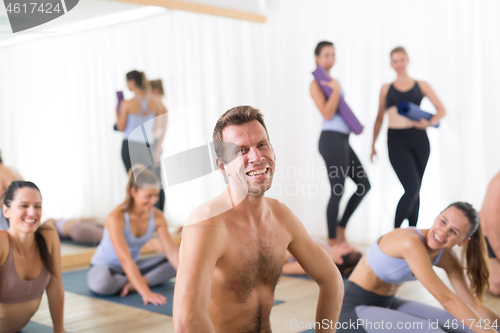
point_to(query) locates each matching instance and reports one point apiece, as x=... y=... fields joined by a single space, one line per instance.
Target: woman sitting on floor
x=30 y=258
x=115 y=266
x=409 y=254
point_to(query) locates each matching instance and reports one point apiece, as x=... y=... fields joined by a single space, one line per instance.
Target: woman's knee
x=100 y=281
x=363 y=186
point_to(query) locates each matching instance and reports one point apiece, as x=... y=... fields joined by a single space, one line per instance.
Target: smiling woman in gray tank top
x=116 y=264
x=409 y=254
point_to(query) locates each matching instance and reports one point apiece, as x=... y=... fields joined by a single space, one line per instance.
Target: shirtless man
x=230 y=263
x=7 y=176
x=490 y=222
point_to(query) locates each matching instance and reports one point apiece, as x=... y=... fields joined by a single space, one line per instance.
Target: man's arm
x=171 y=251
x=320 y=267
x=203 y=243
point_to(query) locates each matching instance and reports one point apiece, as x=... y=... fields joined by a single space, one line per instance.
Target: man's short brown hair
x=236 y=116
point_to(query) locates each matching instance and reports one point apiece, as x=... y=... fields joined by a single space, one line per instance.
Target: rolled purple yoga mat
x=343 y=109
x=119 y=95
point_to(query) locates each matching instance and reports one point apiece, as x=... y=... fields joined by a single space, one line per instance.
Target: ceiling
x=90 y=14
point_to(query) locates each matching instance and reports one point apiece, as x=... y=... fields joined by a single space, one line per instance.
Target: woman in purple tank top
x=30 y=260
x=409 y=254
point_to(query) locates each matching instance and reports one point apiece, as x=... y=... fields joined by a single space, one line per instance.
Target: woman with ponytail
x=409 y=254
x=116 y=266
x=141 y=110
x=30 y=260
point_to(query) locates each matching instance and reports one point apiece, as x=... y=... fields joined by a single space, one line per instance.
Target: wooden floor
x=84 y=314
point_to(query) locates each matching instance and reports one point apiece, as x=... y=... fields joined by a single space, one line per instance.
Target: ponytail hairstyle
x=320 y=46
x=475 y=253
x=139 y=177
x=139 y=78
x=1 y=157
x=8 y=197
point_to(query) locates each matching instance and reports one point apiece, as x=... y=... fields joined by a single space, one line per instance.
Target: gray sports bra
x=389 y=269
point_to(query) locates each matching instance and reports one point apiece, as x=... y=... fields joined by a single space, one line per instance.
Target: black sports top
x=395 y=96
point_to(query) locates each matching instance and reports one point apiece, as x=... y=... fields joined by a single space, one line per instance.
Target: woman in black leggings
x=406 y=139
x=340 y=159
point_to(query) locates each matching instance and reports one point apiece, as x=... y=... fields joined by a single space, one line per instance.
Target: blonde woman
x=116 y=266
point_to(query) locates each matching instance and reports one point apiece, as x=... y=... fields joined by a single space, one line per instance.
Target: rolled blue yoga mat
x=343 y=109
x=413 y=112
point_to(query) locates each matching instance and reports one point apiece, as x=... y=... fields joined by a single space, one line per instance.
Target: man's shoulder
x=277 y=206
x=204 y=230
x=212 y=211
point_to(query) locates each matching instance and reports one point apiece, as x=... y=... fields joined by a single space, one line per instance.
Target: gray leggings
x=366 y=312
x=109 y=280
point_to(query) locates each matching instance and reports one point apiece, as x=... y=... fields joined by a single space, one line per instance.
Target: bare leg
x=340 y=234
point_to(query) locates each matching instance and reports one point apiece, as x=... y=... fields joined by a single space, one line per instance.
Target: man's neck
x=251 y=207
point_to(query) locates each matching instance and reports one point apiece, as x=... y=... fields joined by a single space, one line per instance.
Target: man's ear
x=464 y=242
x=222 y=169
x=221 y=166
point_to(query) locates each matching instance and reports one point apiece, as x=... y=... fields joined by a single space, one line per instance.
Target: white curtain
x=57 y=100
x=453 y=45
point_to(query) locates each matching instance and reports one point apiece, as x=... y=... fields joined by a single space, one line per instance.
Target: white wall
x=57 y=99
x=451 y=44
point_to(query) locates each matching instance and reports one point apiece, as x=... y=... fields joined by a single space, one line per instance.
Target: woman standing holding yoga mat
x=340 y=159
x=138 y=112
x=116 y=266
x=407 y=140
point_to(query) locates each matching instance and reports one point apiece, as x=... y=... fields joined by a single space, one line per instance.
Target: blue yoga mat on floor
x=76 y=282
x=33 y=327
